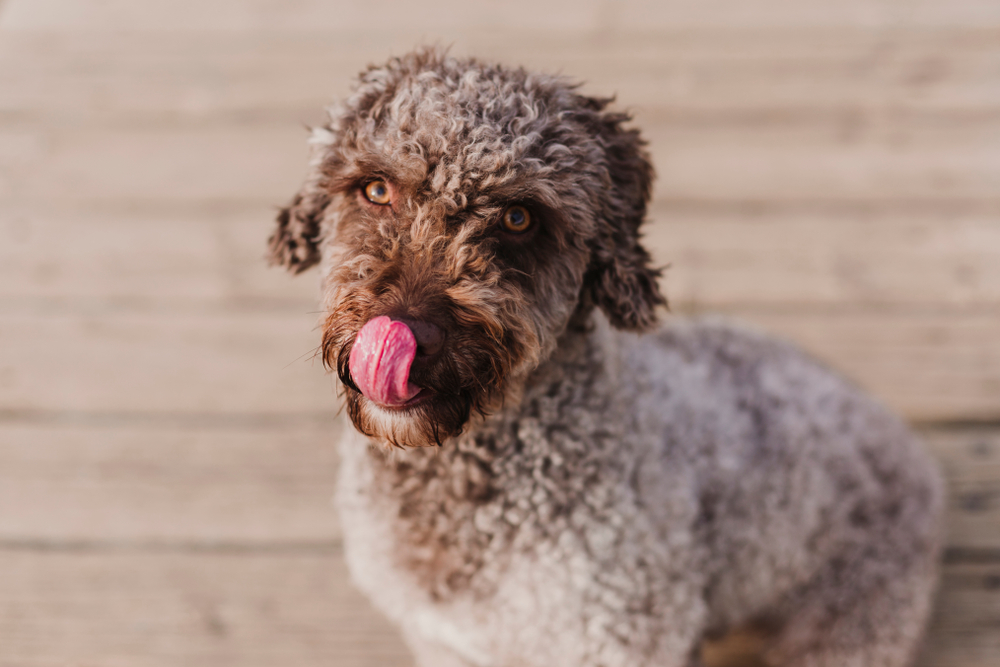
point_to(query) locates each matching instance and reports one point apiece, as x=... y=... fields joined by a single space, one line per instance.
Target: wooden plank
x=87 y=479
x=865 y=137
x=930 y=366
x=885 y=14
x=242 y=362
x=590 y=16
x=82 y=479
x=970 y=458
x=149 y=609
x=791 y=171
x=719 y=257
x=211 y=609
x=743 y=257
x=845 y=78
x=263 y=15
x=266 y=161
x=145 y=257
x=965 y=630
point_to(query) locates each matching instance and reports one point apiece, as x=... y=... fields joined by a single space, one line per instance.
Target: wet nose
x=430 y=337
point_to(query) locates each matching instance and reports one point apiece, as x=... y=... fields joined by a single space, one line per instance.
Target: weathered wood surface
x=266 y=479
x=451 y=16
x=223 y=550
x=203 y=254
x=827 y=171
x=81 y=478
x=694 y=162
x=911 y=313
x=849 y=84
x=910 y=120
x=117 y=606
x=930 y=366
x=123 y=606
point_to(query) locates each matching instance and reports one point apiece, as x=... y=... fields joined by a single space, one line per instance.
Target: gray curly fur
x=600 y=496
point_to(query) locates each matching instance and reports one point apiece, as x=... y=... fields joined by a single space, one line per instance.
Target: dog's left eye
x=377 y=192
x=516 y=219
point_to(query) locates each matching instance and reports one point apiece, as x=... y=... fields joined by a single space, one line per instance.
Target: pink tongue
x=380 y=361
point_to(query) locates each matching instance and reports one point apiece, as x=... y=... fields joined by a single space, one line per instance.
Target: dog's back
x=812 y=497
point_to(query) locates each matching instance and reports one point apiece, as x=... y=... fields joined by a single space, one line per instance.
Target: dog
x=536 y=473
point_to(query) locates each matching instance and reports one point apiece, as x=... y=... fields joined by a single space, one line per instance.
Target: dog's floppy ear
x=295 y=243
x=620 y=279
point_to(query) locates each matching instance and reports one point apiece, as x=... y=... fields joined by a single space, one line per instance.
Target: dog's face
x=463 y=213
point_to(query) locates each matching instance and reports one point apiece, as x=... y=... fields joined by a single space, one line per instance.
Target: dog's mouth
x=381 y=365
x=423 y=396
x=398 y=391
x=380 y=362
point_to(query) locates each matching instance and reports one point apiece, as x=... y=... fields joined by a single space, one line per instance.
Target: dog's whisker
x=312 y=354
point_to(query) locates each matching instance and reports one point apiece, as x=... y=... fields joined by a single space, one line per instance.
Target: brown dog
x=538 y=486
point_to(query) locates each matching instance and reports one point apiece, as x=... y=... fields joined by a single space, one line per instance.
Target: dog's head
x=463 y=213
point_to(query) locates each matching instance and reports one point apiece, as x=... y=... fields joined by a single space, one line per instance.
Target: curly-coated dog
x=531 y=482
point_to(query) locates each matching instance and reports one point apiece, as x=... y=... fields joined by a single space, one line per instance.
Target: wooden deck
x=828 y=171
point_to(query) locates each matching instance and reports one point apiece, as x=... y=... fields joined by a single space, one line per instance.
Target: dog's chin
x=427 y=420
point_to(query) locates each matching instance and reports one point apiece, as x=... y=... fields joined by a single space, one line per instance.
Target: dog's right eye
x=516 y=219
x=377 y=192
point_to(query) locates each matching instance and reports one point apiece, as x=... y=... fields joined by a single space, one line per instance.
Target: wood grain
x=854 y=115
x=167 y=480
x=719 y=256
x=829 y=172
x=247 y=362
x=449 y=15
x=927 y=366
x=965 y=629
x=244 y=608
x=145 y=257
x=259 y=480
x=140 y=608
x=849 y=81
x=767 y=257
x=970 y=458
x=266 y=162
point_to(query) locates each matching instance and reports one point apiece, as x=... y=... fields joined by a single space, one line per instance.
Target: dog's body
x=648 y=491
x=598 y=497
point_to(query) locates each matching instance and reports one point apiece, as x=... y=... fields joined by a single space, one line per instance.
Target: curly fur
x=597 y=496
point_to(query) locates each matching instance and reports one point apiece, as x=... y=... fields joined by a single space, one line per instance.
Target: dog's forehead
x=461 y=103
x=454 y=126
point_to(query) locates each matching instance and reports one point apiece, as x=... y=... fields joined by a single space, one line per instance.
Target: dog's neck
x=464 y=504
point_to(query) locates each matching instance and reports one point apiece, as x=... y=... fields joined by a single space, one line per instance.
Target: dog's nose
x=430 y=337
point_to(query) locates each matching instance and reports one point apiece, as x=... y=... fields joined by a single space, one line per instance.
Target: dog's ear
x=620 y=279
x=295 y=243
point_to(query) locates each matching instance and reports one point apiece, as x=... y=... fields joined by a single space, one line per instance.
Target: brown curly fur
x=442 y=133
x=597 y=498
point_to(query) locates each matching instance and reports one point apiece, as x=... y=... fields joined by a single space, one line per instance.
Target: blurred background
x=829 y=171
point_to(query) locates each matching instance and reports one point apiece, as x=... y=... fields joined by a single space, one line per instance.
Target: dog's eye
x=516 y=219
x=377 y=192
